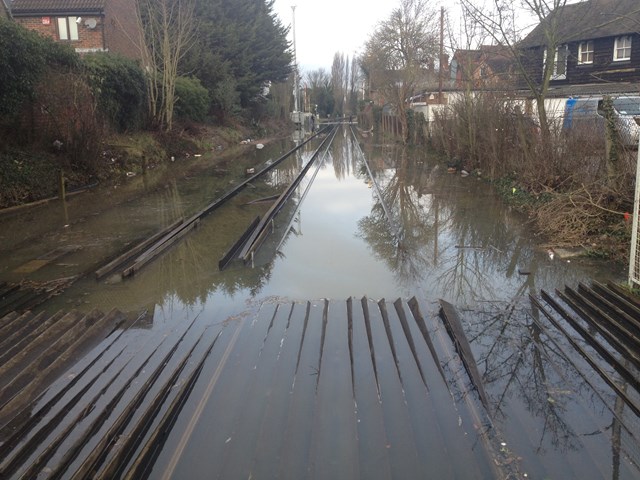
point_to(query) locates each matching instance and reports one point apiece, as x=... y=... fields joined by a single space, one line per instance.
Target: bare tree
x=338 y=80
x=354 y=79
x=167 y=32
x=399 y=53
x=498 y=20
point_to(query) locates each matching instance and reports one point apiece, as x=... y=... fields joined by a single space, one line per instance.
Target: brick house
x=88 y=25
x=598 y=43
x=487 y=67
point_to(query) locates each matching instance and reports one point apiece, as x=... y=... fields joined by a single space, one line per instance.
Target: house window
x=68 y=28
x=585 y=53
x=622 y=48
x=559 y=71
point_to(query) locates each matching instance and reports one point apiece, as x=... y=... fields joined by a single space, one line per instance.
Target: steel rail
x=257 y=237
x=394 y=228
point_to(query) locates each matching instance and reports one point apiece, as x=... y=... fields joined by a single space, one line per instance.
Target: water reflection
x=449 y=237
x=454 y=236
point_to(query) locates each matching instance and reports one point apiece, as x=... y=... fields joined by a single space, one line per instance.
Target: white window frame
x=554 y=74
x=67 y=29
x=585 y=49
x=622 y=48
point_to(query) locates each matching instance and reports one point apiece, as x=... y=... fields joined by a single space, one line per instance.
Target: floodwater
x=416 y=230
x=410 y=229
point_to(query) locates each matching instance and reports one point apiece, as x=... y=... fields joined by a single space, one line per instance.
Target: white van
x=586 y=114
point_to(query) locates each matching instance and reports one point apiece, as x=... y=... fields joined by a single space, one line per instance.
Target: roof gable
x=589 y=20
x=38 y=7
x=497 y=57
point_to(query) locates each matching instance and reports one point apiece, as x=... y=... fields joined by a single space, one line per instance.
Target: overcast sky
x=324 y=27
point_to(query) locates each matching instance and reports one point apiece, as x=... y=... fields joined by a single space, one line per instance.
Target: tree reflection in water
x=458 y=243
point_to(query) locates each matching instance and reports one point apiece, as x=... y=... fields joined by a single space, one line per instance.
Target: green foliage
x=25 y=56
x=193 y=99
x=226 y=97
x=239 y=41
x=119 y=86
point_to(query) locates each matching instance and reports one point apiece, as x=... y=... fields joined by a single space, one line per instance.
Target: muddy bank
x=31 y=175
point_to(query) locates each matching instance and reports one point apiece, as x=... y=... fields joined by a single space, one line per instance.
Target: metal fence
x=634 y=259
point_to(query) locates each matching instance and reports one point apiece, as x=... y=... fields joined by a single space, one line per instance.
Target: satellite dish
x=91 y=23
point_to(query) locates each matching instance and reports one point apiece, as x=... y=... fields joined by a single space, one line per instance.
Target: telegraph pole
x=295 y=65
x=440 y=72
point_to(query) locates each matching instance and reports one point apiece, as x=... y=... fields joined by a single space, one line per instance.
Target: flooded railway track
x=235 y=375
x=339 y=389
x=327 y=389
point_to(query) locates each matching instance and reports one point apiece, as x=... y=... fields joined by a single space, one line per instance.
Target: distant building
x=599 y=43
x=490 y=66
x=87 y=25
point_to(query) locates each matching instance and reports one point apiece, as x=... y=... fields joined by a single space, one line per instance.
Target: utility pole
x=295 y=65
x=440 y=72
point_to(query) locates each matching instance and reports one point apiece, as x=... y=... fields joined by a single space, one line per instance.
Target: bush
x=119 y=86
x=192 y=99
x=68 y=115
x=25 y=56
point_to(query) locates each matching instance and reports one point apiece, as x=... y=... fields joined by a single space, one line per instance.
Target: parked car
x=585 y=117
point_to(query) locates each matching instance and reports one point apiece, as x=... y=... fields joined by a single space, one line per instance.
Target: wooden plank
x=149 y=399
x=432 y=449
x=84 y=372
x=592 y=361
x=8 y=319
x=231 y=380
x=620 y=300
x=456 y=332
x=627 y=327
x=334 y=449
x=61 y=442
x=75 y=404
x=159 y=247
x=13 y=323
x=251 y=411
x=628 y=296
x=11 y=369
x=373 y=460
x=45 y=259
x=403 y=452
x=171 y=457
x=147 y=456
x=270 y=443
x=621 y=344
x=25 y=388
x=295 y=459
x=460 y=438
x=235 y=248
x=130 y=253
x=83 y=436
x=24 y=333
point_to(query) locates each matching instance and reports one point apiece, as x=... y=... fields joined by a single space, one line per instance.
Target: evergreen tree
x=241 y=48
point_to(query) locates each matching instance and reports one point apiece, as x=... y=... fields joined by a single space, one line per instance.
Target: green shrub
x=192 y=99
x=119 y=86
x=25 y=56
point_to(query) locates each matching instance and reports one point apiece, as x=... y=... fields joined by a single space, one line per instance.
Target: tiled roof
x=23 y=7
x=589 y=20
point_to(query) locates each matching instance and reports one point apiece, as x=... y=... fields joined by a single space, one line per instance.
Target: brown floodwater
x=410 y=229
